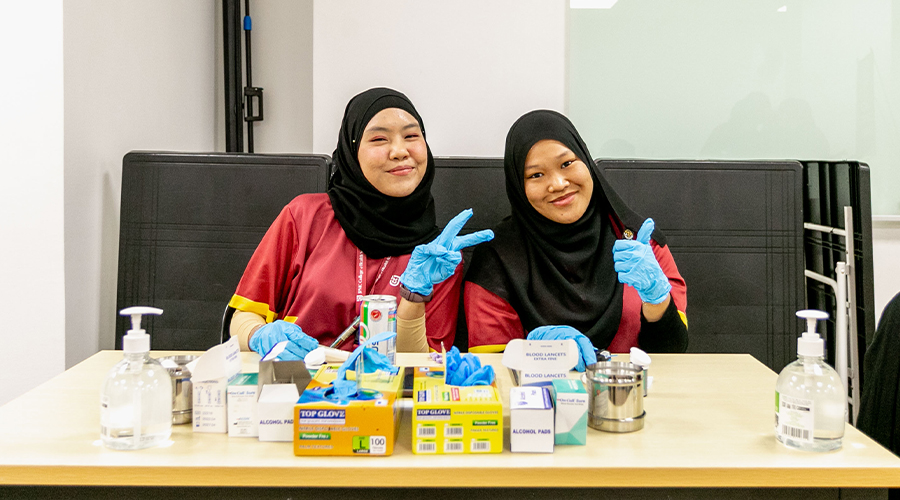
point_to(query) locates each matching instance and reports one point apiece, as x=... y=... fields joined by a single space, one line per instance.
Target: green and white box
x=243 y=420
x=571 y=402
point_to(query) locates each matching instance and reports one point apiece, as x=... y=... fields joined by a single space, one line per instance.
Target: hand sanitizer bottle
x=136 y=397
x=810 y=398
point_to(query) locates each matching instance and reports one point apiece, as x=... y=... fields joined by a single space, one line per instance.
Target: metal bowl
x=615 y=396
x=182 y=393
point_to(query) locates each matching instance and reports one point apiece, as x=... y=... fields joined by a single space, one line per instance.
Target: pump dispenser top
x=137 y=340
x=810 y=343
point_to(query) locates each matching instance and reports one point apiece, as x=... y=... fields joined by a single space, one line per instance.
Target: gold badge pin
x=628 y=234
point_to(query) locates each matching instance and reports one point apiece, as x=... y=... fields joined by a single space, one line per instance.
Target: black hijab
x=378 y=224
x=552 y=273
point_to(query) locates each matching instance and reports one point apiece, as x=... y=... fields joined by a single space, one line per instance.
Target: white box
x=243 y=418
x=210 y=376
x=530 y=420
x=540 y=361
x=276 y=412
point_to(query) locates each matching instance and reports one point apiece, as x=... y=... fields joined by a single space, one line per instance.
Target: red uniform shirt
x=306 y=271
x=493 y=322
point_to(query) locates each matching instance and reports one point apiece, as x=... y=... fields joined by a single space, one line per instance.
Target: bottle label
x=794 y=418
x=104 y=410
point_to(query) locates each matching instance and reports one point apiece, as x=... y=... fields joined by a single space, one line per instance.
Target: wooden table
x=709 y=424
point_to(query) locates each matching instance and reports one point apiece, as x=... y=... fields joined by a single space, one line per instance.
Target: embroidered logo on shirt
x=395 y=280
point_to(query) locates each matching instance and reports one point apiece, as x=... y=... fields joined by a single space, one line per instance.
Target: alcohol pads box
x=571 y=403
x=243 y=419
x=210 y=375
x=276 y=412
x=540 y=361
x=451 y=419
x=366 y=425
x=530 y=420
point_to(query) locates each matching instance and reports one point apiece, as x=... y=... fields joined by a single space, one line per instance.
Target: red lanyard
x=361 y=275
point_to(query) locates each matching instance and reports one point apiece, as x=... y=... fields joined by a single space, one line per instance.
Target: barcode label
x=453 y=431
x=795 y=418
x=426 y=448
x=795 y=432
x=426 y=431
x=480 y=446
x=453 y=447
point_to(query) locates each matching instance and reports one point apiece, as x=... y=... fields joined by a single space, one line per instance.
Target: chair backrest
x=476 y=183
x=189 y=224
x=829 y=186
x=735 y=230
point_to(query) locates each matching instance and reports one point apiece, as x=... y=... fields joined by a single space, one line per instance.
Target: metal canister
x=182 y=393
x=615 y=396
x=378 y=314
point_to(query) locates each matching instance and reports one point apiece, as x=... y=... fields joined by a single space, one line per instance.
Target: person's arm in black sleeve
x=669 y=334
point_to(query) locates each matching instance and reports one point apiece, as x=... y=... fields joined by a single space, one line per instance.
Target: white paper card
x=541 y=361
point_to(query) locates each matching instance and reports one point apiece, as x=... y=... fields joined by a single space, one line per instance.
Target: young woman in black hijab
x=326 y=250
x=565 y=252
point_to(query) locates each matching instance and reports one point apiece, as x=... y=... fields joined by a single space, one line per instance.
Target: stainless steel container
x=182 y=395
x=615 y=396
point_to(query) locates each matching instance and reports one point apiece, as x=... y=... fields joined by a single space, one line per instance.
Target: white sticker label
x=453 y=431
x=480 y=446
x=426 y=447
x=795 y=418
x=377 y=445
x=453 y=446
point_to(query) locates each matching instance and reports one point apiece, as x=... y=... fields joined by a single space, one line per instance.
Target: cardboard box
x=450 y=419
x=274 y=371
x=243 y=418
x=276 y=412
x=537 y=362
x=530 y=420
x=365 y=426
x=426 y=377
x=379 y=381
x=571 y=402
x=210 y=375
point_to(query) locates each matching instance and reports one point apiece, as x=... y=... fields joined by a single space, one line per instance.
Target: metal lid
x=177 y=365
x=615 y=373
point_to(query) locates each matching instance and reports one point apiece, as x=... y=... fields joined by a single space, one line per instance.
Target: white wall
x=31 y=195
x=471 y=67
x=886 y=256
x=138 y=75
x=282 y=64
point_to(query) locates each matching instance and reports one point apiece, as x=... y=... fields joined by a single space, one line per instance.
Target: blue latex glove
x=467 y=370
x=299 y=345
x=637 y=266
x=562 y=332
x=372 y=362
x=434 y=262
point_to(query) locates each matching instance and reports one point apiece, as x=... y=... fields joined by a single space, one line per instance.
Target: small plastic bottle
x=810 y=398
x=136 y=397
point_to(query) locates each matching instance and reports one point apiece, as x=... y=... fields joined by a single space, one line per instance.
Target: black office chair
x=189 y=222
x=226 y=323
x=468 y=182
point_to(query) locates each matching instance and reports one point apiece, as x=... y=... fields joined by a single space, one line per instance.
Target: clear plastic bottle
x=810 y=398
x=136 y=397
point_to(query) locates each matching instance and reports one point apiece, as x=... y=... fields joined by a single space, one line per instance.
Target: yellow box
x=450 y=419
x=378 y=381
x=323 y=426
x=426 y=377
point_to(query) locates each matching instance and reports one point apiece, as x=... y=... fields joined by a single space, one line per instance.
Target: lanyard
x=361 y=275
